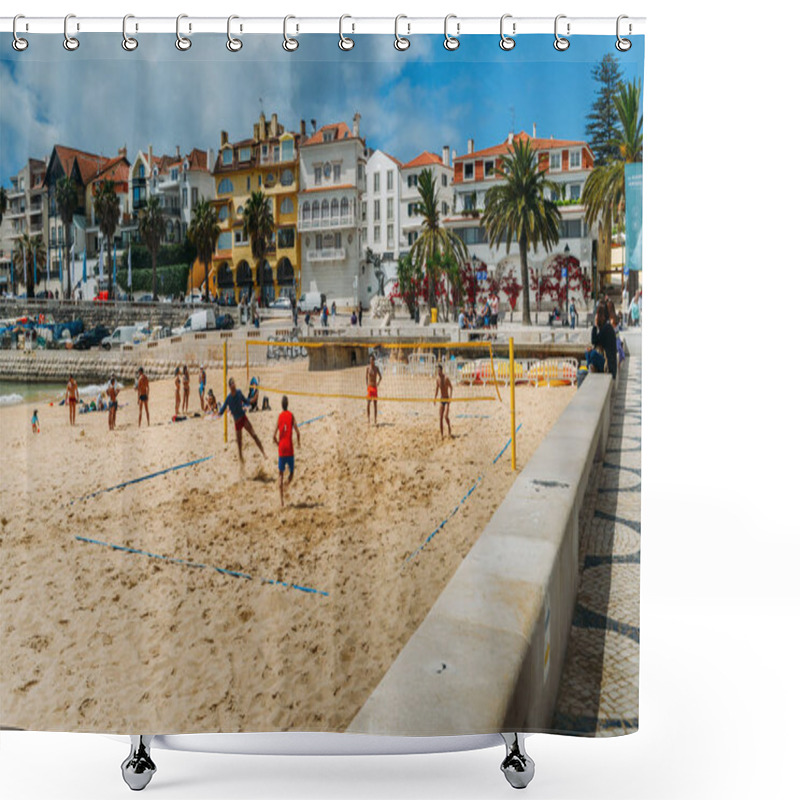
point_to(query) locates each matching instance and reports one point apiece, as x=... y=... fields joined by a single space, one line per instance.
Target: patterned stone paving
x=599 y=692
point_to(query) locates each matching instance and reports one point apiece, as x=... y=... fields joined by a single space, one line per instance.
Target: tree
x=433 y=239
x=604 y=191
x=518 y=209
x=67 y=205
x=512 y=288
x=106 y=211
x=602 y=122
x=203 y=233
x=409 y=279
x=3 y=202
x=27 y=250
x=152 y=227
x=259 y=224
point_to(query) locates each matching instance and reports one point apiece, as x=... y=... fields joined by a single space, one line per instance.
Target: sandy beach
x=102 y=640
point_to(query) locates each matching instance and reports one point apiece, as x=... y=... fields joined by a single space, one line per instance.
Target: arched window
x=315 y=210
x=287 y=178
x=287 y=206
x=334 y=209
x=223 y=213
x=325 y=210
x=225 y=186
x=345 y=207
x=306 y=211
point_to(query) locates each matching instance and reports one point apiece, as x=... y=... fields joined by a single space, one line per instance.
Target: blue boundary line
x=459 y=504
x=220 y=570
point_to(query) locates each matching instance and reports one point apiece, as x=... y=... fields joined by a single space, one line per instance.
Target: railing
x=326 y=223
x=327 y=254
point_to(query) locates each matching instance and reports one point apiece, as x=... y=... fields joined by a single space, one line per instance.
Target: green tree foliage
x=26 y=249
x=152 y=227
x=67 y=205
x=203 y=233
x=601 y=122
x=106 y=211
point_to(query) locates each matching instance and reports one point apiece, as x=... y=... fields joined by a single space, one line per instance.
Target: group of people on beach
x=470 y=319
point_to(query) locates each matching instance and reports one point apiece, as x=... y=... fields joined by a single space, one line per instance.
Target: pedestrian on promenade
x=603 y=334
x=573 y=316
x=360 y=312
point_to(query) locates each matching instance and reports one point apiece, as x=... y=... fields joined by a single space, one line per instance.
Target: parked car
x=125 y=334
x=281 y=304
x=311 y=301
x=92 y=338
x=198 y=321
x=225 y=322
x=145 y=298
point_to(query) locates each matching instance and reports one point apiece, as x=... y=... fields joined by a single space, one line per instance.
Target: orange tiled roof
x=88 y=164
x=198 y=160
x=424 y=159
x=340 y=129
x=536 y=144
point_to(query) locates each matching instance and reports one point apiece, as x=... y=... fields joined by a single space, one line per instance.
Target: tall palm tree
x=67 y=205
x=106 y=211
x=519 y=208
x=152 y=227
x=203 y=233
x=26 y=250
x=3 y=202
x=434 y=241
x=259 y=225
x=604 y=191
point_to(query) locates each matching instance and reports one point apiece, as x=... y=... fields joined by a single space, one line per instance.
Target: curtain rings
x=400 y=42
x=289 y=44
x=70 y=42
x=623 y=45
x=182 y=42
x=233 y=44
x=561 y=44
x=451 y=42
x=345 y=43
x=506 y=42
x=19 y=44
x=128 y=42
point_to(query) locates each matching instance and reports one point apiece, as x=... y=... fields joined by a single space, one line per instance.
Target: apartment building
x=410 y=217
x=380 y=212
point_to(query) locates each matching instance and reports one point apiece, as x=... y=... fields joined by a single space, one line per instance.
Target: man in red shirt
x=283 y=438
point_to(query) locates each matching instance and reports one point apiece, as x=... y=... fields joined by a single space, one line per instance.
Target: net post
x=512 y=382
x=225 y=387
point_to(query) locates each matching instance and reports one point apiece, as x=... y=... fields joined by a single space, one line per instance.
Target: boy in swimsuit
x=35 y=421
x=237 y=402
x=283 y=438
x=374 y=378
x=202 y=387
x=113 y=393
x=143 y=391
x=445 y=388
x=72 y=398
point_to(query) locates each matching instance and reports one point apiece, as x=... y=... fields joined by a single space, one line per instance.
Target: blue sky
x=100 y=97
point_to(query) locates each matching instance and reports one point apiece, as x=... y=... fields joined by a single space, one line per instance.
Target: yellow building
x=269 y=161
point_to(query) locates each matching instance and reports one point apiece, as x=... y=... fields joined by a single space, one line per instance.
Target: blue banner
x=633 y=216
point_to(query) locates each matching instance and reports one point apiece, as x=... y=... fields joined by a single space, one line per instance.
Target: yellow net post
x=513 y=408
x=225 y=386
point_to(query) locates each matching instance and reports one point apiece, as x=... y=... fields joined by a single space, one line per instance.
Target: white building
x=332 y=188
x=410 y=219
x=380 y=212
x=568 y=164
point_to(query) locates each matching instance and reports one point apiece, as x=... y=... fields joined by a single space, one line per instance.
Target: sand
x=102 y=640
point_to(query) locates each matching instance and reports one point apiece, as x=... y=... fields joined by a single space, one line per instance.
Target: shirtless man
x=143 y=392
x=445 y=388
x=71 y=398
x=112 y=391
x=374 y=379
x=237 y=402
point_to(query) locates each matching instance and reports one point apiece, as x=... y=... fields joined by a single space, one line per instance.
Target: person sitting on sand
x=211 y=403
x=35 y=421
x=237 y=402
x=445 y=389
x=185 y=389
x=282 y=437
x=201 y=386
x=72 y=398
x=112 y=391
x=143 y=392
x=374 y=378
x=252 y=395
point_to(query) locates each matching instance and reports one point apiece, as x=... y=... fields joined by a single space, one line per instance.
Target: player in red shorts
x=235 y=401
x=374 y=378
x=283 y=438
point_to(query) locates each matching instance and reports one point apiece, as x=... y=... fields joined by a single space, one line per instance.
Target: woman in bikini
x=177 y=390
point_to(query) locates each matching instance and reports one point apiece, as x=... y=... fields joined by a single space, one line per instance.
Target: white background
x=719 y=709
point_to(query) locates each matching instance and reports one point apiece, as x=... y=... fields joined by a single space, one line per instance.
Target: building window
x=287 y=150
x=287 y=178
x=376 y=212
x=326 y=171
x=344 y=207
x=306 y=212
x=315 y=210
x=389 y=234
x=570 y=229
x=488 y=168
x=173 y=174
x=318 y=241
x=194 y=196
x=337 y=173
x=248 y=183
x=364 y=211
x=444 y=180
x=376 y=233
x=574 y=191
x=227 y=156
x=286 y=237
x=390 y=207
x=412 y=209
x=223 y=213
x=326 y=210
x=445 y=209
x=244 y=154
x=317 y=176
x=334 y=208
x=224 y=241
x=412 y=181
x=337 y=241
x=225 y=186
x=327 y=136
x=185 y=198
x=259 y=180
x=555 y=160
x=140 y=173
x=470 y=236
x=469 y=202
x=575 y=159
x=265 y=152
x=360 y=173
x=469 y=172
x=376 y=181
x=390 y=180
x=287 y=206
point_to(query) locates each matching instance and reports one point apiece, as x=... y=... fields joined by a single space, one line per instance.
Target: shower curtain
x=302 y=422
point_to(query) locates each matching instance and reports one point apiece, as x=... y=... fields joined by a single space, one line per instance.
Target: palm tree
x=152 y=227
x=518 y=208
x=203 y=233
x=259 y=225
x=3 y=202
x=67 y=205
x=604 y=192
x=28 y=248
x=434 y=240
x=106 y=210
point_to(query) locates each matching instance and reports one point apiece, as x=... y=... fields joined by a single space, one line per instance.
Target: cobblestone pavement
x=599 y=692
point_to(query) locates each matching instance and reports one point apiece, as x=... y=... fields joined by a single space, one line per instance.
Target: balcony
x=326 y=223
x=327 y=254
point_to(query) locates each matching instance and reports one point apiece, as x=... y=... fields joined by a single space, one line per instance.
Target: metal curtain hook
x=19 y=44
x=289 y=44
x=506 y=42
x=128 y=42
x=181 y=41
x=233 y=44
x=561 y=43
x=450 y=42
x=400 y=42
x=70 y=42
x=623 y=45
x=345 y=43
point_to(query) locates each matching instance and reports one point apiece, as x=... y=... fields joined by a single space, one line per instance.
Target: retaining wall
x=489 y=655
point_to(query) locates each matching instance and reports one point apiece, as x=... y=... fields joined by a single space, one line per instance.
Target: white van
x=310 y=301
x=198 y=321
x=125 y=334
